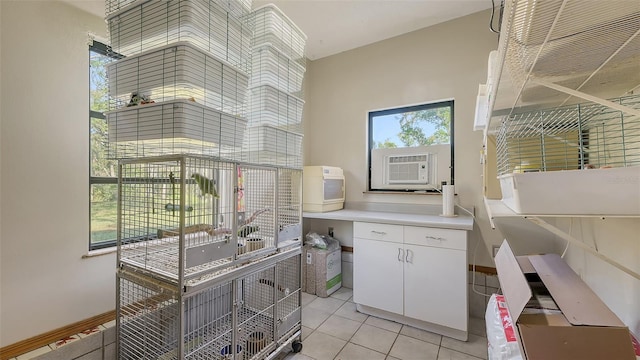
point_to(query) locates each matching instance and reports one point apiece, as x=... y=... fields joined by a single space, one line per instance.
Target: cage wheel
x=296 y=346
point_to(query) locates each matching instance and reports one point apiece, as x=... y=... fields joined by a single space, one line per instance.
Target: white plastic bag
x=501 y=335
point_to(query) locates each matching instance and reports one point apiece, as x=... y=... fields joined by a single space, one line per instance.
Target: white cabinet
x=413 y=275
x=435 y=286
x=377 y=274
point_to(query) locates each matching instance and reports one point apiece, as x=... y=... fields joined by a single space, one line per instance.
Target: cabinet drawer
x=442 y=238
x=374 y=231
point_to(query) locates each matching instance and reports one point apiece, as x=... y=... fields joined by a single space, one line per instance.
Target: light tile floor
x=333 y=329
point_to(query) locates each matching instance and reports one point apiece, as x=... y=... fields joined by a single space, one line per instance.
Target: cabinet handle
x=400 y=254
x=435 y=238
x=378 y=232
x=409 y=260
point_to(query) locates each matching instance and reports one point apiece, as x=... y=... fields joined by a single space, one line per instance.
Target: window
x=411 y=148
x=103 y=181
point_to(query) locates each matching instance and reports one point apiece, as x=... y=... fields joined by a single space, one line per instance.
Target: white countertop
x=461 y=222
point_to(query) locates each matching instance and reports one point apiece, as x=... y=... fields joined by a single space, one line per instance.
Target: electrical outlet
x=495 y=250
x=330 y=231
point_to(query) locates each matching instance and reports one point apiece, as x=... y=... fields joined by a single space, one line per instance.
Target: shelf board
x=498 y=209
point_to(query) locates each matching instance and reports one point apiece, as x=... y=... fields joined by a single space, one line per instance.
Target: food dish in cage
x=149 y=24
x=272 y=26
x=178 y=71
x=270 y=106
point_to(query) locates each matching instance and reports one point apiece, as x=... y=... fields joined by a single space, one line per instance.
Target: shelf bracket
x=554 y=230
x=490 y=213
x=580 y=94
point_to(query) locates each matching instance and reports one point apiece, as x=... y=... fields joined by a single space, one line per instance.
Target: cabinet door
x=435 y=285
x=377 y=274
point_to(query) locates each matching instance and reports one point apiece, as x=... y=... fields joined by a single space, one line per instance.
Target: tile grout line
x=354 y=333
x=388 y=353
x=392 y=344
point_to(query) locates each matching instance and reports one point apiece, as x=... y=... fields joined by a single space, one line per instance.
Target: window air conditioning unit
x=408 y=169
x=415 y=168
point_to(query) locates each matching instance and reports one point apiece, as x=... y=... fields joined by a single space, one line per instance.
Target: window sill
x=100 y=252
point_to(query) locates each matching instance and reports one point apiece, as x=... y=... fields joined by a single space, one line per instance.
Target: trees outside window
x=411 y=147
x=103 y=171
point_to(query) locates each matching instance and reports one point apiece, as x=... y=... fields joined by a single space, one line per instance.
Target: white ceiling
x=334 y=26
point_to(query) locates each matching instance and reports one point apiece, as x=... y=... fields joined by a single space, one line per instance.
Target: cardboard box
x=581 y=327
x=323 y=271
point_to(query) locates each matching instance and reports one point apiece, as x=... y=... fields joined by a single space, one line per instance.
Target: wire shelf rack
x=146 y=25
x=177 y=71
x=251 y=313
x=591 y=47
x=272 y=26
x=579 y=136
x=172 y=127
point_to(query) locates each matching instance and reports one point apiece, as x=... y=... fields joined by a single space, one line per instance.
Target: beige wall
x=445 y=61
x=44 y=224
x=449 y=61
x=618 y=239
x=45 y=282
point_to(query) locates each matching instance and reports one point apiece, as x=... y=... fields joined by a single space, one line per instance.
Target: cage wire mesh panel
x=591 y=47
x=210 y=27
x=208 y=319
x=571 y=137
x=272 y=26
x=269 y=145
x=177 y=204
x=148 y=318
x=271 y=66
x=256 y=210
x=173 y=127
x=256 y=313
x=289 y=207
x=270 y=106
x=237 y=8
x=288 y=308
x=178 y=71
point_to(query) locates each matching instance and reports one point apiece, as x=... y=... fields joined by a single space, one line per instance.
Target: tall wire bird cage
x=209 y=205
x=193 y=229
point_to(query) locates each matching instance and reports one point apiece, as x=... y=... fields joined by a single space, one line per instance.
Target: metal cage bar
x=571 y=137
